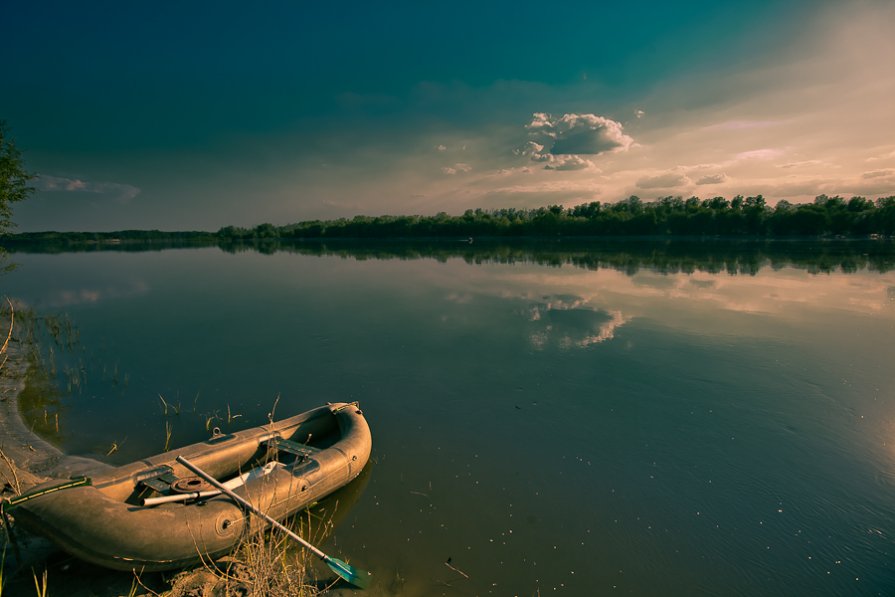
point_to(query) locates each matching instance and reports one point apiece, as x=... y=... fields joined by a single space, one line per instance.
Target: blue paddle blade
x=348 y=573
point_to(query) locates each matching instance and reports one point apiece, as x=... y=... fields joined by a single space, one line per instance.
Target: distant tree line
x=740 y=217
x=718 y=216
x=123 y=240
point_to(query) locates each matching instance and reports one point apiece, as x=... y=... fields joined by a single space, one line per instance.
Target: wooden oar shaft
x=180 y=497
x=249 y=506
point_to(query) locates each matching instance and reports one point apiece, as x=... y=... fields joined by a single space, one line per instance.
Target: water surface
x=552 y=424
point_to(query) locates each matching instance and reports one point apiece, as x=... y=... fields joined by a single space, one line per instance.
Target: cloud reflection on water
x=68 y=297
x=575 y=308
x=570 y=322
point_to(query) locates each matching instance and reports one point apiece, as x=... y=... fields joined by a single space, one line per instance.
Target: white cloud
x=456 y=168
x=534 y=151
x=563 y=144
x=606 y=331
x=577 y=134
x=568 y=162
x=122 y=193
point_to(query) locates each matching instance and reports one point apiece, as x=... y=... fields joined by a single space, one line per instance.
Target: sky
x=198 y=115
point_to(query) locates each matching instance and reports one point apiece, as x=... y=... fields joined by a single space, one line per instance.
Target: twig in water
x=231 y=416
x=273 y=410
x=457 y=570
x=168 y=430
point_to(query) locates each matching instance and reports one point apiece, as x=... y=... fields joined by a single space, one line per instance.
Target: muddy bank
x=26 y=458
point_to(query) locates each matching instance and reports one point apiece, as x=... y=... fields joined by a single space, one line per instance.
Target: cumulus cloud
x=663 y=181
x=586 y=134
x=536 y=152
x=561 y=143
x=712 y=179
x=116 y=191
x=568 y=162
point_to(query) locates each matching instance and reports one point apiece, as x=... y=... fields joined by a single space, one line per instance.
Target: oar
x=345 y=571
x=233 y=483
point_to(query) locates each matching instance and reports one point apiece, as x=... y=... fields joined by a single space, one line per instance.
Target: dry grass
x=265 y=564
x=9 y=473
x=12 y=321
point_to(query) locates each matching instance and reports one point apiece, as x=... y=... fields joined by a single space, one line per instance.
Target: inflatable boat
x=154 y=514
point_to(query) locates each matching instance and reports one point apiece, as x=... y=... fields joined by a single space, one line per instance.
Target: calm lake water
x=705 y=422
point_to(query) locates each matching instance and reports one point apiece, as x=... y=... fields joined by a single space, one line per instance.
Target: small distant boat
x=155 y=515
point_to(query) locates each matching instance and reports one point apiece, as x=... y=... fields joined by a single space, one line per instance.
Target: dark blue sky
x=156 y=115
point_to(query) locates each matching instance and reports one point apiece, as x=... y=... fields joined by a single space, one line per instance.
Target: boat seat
x=285 y=445
x=158 y=479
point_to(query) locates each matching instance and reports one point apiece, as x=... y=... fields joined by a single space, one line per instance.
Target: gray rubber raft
x=109 y=518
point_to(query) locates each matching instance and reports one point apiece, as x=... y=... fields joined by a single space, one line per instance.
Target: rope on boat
x=30 y=495
x=355 y=404
x=7 y=504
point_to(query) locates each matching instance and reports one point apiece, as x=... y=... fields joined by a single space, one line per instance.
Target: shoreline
x=27 y=459
x=23 y=453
